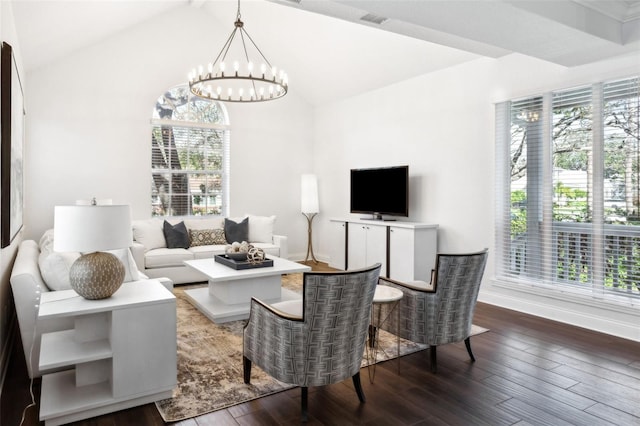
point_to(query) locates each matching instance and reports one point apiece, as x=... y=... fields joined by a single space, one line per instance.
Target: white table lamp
x=309 y=207
x=91 y=229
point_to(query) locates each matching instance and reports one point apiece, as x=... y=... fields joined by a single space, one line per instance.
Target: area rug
x=210 y=362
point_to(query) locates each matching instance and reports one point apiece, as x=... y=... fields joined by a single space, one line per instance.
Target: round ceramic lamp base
x=96 y=275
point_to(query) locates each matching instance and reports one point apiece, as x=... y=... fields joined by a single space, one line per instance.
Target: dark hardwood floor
x=529 y=371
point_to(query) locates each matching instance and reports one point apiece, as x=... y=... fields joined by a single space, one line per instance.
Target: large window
x=568 y=189
x=189 y=156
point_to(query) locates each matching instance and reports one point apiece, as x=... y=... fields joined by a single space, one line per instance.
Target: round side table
x=384 y=295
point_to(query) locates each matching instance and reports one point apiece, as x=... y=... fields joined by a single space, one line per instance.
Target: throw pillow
x=261 y=229
x=207 y=237
x=236 y=232
x=54 y=268
x=130 y=268
x=176 y=236
x=149 y=233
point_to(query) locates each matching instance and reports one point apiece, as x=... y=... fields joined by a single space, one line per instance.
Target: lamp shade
x=92 y=228
x=309 y=194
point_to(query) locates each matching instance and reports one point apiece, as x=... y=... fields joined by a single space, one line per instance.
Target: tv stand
x=406 y=250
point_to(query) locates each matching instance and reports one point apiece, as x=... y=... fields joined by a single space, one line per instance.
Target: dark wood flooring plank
x=217 y=418
x=614 y=416
x=532 y=414
x=627 y=378
x=596 y=393
x=615 y=365
x=451 y=409
x=546 y=403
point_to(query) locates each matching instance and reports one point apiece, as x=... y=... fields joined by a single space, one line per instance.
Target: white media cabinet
x=122 y=352
x=406 y=250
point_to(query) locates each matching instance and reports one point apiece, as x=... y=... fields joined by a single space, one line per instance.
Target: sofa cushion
x=176 y=235
x=206 y=237
x=268 y=248
x=166 y=257
x=236 y=231
x=149 y=233
x=207 y=252
x=261 y=229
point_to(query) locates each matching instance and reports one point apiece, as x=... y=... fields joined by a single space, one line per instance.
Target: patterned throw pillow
x=207 y=237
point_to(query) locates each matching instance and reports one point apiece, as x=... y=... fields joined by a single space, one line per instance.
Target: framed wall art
x=12 y=120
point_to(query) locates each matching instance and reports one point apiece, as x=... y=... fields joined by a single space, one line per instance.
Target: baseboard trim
x=566 y=308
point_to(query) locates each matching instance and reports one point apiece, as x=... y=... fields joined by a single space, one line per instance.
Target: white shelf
x=64 y=398
x=60 y=349
x=121 y=351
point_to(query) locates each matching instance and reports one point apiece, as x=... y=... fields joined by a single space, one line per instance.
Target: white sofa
x=28 y=282
x=155 y=259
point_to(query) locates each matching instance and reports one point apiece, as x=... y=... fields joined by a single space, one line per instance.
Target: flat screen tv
x=380 y=191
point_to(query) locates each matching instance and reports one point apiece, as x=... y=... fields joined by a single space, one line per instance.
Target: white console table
x=122 y=352
x=406 y=250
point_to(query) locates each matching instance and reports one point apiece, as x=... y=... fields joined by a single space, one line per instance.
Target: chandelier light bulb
x=200 y=71
x=210 y=67
x=250 y=67
x=222 y=67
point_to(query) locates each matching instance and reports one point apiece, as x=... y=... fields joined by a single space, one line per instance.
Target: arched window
x=189 y=155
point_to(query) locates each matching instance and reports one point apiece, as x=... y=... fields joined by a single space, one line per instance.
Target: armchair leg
x=467 y=343
x=434 y=364
x=246 y=369
x=304 y=401
x=358 y=385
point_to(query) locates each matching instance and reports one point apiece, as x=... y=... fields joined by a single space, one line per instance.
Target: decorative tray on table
x=241 y=263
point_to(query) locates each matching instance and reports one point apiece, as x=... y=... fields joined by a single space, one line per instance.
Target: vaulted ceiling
x=338 y=48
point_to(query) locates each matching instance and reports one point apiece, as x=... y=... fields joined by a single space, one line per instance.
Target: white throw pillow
x=54 y=268
x=130 y=268
x=261 y=228
x=149 y=233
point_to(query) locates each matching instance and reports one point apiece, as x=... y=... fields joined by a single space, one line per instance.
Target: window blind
x=190 y=161
x=567 y=189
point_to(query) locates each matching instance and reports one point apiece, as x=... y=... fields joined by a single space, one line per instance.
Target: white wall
x=88 y=127
x=442 y=125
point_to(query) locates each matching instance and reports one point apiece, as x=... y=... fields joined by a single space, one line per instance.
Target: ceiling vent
x=374 y=19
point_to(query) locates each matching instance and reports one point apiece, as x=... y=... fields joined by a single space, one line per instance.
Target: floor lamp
x=309 y=207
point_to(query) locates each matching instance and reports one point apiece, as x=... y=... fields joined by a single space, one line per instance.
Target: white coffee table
x=228 y=296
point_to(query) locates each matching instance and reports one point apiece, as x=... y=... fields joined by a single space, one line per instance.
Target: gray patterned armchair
x=318 y=340
x=440 y=312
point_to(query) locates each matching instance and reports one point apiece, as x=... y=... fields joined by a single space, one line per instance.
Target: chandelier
x=248 y=78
